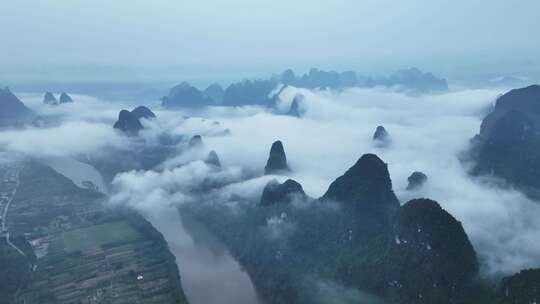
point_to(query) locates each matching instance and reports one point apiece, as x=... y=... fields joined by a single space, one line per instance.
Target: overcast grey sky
x=269 y=34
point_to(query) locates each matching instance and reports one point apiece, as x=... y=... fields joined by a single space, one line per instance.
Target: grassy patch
x=94 y=236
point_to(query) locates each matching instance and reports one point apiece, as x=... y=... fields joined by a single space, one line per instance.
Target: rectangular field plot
x=95 y=236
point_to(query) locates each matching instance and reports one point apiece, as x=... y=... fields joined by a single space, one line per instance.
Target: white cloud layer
x=427 y=133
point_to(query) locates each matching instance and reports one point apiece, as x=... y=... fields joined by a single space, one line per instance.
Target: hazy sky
x=269 y=34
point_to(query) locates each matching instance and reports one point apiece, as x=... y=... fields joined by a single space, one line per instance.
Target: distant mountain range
x=259 y=92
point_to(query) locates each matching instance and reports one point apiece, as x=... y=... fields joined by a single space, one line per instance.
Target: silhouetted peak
x=49 y=99
x=195 y=141
x=185 y=95
x=414 y=80
x=416 y=180
x=184 y=85
x=431 y=251
x=365 y=185
x=277 y=161
x=65 y=98
x=215 y=92
x=295 y=106
x=124 y=115
x=288 y=77
x=380 y=134
x=11 y=107
x=424 y=221
x=525 y=99
x=509 y=140
x=143 y=112
x=275 y=193
x=521 y=287
x=6 y=96
x=128 y=123
x=213 y=159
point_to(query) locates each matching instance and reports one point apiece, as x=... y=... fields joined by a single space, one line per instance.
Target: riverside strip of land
x=77 y=250
x=8 y=189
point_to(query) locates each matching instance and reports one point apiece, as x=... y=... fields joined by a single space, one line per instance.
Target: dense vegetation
x=509 y=140
x=15 y=268
x=356 y=236
x=84 y=250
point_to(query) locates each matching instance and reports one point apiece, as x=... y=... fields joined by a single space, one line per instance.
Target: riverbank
x=85 y=251
x=204 y=262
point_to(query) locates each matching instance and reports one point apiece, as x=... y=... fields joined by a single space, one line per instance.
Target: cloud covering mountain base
x=426 y=133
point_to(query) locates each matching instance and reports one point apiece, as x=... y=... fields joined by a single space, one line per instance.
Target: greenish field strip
x=91 y=237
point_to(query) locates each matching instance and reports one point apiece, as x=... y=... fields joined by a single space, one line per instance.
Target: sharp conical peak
x=381 y=137
x=195 y=141
x=49 y=98
x=367 y=183
x=368 y=165
x=425 y=234
x=11 y=106
x=65 y=98
x=425 y=221
x=277 y=160
x=380 y=133
x=213 y=159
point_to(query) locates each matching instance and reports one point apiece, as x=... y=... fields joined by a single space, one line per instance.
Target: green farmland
x=94 y=236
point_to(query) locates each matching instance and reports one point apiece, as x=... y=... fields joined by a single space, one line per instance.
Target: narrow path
x=5 y=214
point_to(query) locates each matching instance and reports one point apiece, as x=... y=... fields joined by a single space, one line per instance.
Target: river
x=77 y=171
x=209 y=274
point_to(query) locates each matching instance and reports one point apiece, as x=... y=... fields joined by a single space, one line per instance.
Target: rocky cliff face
x=521 y=287
x=508 y=144
x=431 y=258
x=277 y=161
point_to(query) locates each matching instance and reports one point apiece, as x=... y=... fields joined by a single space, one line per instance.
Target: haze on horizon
x=254 y=37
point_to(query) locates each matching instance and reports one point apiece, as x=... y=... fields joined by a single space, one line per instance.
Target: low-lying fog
x=427 y=133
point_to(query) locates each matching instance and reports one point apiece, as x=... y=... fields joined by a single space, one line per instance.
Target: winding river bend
x=209 y=273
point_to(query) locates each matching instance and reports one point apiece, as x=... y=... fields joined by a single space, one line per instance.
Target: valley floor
x=78 y=250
